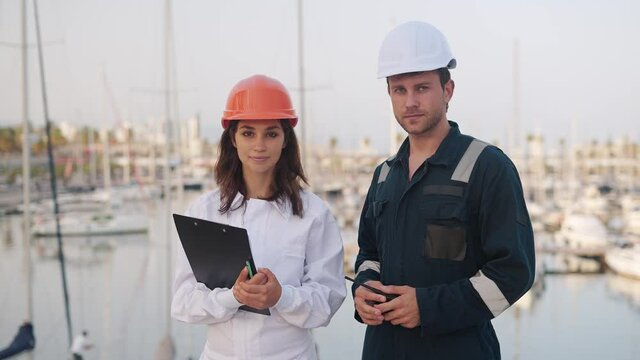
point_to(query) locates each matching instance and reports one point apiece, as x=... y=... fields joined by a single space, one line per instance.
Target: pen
x=388 y=296
x=250 y=267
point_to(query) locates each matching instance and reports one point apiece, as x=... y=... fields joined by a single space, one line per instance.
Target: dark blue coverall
x=459 y=232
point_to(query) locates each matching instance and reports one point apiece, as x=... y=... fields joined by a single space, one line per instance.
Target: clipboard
x=216 y=252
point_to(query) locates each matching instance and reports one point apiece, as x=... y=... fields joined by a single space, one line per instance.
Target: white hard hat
x=414 y=46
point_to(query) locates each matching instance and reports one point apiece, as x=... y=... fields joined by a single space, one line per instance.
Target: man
x=444 y=226
x=80 y=345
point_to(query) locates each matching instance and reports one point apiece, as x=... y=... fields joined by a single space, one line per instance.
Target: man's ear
x=448 y=90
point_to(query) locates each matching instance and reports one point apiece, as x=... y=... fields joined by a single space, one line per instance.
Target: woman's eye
x=247 y=133
x=272 y=134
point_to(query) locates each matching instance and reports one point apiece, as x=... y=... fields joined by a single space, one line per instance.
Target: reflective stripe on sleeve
x=490 y=293
x=369 y=264
x=468 y=161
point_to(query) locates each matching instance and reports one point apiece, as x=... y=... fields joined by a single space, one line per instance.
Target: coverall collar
x=447 y=153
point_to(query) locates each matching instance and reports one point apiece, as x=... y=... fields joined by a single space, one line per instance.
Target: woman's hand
x=260 y=292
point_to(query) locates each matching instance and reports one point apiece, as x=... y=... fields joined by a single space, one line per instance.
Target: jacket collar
x=282 y=207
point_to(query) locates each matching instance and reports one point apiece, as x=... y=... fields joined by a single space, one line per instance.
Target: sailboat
x=107 y=223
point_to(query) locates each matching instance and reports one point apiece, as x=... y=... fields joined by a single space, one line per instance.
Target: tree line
x=11 y=140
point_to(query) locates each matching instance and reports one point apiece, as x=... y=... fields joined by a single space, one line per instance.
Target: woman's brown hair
x=288 y=172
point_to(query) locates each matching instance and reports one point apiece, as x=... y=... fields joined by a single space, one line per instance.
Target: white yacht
x=585 y=234
x=624 y=261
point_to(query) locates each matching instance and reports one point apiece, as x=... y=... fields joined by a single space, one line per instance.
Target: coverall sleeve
x=367 y=264
x=192 y=301
x=322 y=289
x=506 y=268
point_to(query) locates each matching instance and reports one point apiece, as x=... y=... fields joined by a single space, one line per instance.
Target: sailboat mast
x=302 y=116
x=26 y=167
x=106 y=164
x=168 y=151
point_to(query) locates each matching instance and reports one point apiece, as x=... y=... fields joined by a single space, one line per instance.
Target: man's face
x=419 y=101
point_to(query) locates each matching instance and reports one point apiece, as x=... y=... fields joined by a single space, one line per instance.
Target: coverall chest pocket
x=378 y=208
x=446 y=231
x=375 y=214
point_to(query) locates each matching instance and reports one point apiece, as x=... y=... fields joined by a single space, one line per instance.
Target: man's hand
x=369 y=314
x=402 y=310
x=260 y=292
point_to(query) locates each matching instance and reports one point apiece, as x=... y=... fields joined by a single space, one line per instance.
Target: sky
x=577 y=75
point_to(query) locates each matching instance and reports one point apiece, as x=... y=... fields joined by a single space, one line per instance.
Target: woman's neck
x=259 y=187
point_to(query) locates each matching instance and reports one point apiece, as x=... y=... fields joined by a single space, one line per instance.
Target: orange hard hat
x=259 y=97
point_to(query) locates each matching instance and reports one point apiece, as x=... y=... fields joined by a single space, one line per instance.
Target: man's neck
x=426 y=144
x=423 y=146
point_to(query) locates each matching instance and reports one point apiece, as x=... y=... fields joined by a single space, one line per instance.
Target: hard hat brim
x=229 y=116
x=411 y=68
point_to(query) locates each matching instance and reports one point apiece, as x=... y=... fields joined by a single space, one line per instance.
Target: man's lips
x=412 y=116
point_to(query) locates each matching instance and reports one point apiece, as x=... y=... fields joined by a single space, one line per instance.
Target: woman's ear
x=233 y=140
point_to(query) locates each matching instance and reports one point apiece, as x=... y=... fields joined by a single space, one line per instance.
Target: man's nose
x=412 y=100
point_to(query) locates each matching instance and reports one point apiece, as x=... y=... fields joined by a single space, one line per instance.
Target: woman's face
x=259 y=144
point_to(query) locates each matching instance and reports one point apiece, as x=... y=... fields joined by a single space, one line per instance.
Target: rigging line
x=52 y=172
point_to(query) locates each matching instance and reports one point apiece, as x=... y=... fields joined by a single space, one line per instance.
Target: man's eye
x=399 y=90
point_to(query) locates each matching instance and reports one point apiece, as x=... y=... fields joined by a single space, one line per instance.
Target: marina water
x=118 y=291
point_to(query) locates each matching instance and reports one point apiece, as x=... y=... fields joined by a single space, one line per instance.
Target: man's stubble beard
x=432 y=121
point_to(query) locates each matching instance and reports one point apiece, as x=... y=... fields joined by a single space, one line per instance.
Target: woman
x=294 y=239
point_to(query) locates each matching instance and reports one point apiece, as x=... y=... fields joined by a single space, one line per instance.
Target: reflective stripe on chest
x=463 y=169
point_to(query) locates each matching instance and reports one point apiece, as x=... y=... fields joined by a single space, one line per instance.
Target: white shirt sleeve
x=322 y=289
x=192 y=301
